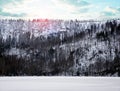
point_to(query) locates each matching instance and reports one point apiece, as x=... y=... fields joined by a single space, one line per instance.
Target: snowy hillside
x=58 y=47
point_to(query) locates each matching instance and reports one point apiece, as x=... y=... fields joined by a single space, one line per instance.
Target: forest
x=43 y=47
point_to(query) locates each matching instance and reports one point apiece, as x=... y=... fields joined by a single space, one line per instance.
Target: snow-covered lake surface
x=59 y=83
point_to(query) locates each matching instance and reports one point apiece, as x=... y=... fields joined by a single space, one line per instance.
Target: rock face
x=57 y=47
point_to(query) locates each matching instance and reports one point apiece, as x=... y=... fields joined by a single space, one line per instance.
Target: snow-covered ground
x=59 y=83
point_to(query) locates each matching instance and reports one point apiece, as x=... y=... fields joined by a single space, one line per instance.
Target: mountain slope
x=57 y=47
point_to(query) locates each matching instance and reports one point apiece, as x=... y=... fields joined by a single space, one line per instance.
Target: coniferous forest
x=44 y=47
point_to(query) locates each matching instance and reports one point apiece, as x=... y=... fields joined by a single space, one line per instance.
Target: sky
x=60 y=9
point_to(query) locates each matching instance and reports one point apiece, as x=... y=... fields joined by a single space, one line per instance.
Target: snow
x=59 y=83
x=9 y=28
x=17 y=52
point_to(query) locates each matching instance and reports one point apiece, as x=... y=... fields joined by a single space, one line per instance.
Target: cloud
x=2 y=13
x=58 y=9
x=105 y=13
x=73 y=6
x=111 y=9
x=80 y=11
x=73 y=3
x=4 y=3
x=110 y=12
x=76 y=3
x=118 y=9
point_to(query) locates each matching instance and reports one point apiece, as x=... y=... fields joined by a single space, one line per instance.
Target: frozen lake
x=59 y=83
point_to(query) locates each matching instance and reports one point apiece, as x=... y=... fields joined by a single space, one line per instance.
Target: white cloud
x=61 y=9
x=33 y=8
x=78 y=6
x=40 y=9
x=109 y=12
x=111 y=9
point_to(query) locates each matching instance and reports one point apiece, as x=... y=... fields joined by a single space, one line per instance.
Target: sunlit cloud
x=4 y=3
x=110 y=12
x=73 y=5
x=59 y=9
x=111 y=9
